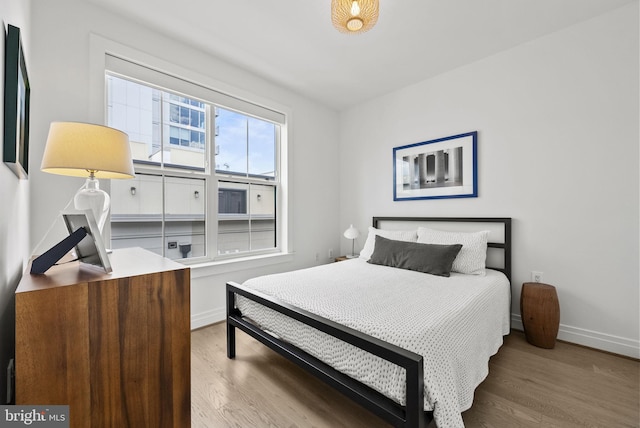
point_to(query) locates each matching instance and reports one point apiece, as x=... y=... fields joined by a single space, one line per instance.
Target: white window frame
x=133 y=61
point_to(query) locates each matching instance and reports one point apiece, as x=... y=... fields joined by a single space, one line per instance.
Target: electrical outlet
x=172 y=245
x=330 y=253
x=536 y=276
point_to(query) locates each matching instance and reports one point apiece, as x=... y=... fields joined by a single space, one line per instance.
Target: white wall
x=61 y=83
x=14 y=197
x=558 y=152
x=557 y=120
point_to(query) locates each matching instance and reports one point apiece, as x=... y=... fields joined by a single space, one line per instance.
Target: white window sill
x=208 y=268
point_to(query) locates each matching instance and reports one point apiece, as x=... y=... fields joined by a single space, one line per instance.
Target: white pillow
x=397 y=235
x=473 y=255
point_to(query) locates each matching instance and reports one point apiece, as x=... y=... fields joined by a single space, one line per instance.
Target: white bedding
x=455 y=323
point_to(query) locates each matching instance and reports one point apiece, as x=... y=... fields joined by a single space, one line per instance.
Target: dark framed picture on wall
x=436 y=169
x=17 y=93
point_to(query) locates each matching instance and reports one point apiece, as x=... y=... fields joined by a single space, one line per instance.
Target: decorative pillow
x=398 y=235
x=473 y=255
x=428 y=258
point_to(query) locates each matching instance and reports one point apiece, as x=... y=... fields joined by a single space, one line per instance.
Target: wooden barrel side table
x=540 y=311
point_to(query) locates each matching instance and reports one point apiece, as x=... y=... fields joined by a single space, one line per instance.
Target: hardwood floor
x=568 y=386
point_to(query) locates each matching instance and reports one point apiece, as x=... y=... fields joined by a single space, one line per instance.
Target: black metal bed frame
x=410 y=416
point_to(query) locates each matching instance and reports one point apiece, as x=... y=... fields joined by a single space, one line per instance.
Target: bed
x=406 y=345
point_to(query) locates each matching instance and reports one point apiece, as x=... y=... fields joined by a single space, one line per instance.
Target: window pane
x=144 y=113
x=179 y=150
x=174 y=135
x=232 y=200
x=233 y=218
x=195 y=139
x=136 y=213
x=246 y=217
x=184 y=115
x=174 y=113
x=130 y=109
x=262 y=138
x=195 y=122
x=185 y=201
x=262 y=209
x=184 y=137
x=231 y=142
x=137 y=217
x=245 y=145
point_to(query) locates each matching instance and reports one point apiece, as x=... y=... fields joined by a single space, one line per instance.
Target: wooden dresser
x=114 y=347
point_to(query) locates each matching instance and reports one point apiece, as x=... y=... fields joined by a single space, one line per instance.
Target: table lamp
x=87 y=150
x=352 y=233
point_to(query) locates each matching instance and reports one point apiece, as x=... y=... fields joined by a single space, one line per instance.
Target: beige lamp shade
x=354 y=16
x=75 y=148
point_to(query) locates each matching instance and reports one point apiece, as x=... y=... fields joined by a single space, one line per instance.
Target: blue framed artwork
x=437 y=169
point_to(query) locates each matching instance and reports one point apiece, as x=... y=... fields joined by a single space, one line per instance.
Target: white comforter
x=455 y=323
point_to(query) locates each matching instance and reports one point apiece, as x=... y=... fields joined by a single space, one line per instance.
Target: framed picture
x=91 y=248
x=436 y=169
x=16 y=105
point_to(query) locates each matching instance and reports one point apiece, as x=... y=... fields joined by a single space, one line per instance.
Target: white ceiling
x=293 y=43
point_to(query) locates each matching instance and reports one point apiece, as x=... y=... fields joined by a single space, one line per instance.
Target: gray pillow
x=435 y=259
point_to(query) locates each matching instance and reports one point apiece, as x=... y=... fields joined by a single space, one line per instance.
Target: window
x=159 y=124
x=246 y=217
x=245 y=155
x=185 y=147
x=232 y=201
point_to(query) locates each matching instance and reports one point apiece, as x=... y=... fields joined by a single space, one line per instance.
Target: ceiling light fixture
x=354 y=16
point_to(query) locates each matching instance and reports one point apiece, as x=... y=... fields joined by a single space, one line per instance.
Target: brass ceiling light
x=354 y=16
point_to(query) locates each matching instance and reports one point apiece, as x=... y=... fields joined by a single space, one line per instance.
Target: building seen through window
x=180 y=161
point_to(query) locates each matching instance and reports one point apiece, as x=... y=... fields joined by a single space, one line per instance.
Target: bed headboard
x=499 y=251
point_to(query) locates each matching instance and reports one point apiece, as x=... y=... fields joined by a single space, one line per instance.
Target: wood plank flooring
x=568 y=386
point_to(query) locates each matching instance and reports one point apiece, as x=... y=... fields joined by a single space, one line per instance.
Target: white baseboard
x=590 y=338
x=206 y=318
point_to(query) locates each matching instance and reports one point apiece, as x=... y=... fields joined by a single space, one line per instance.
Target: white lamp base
x=90 y=196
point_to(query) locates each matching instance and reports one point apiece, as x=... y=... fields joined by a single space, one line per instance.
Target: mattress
x=455 y=323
